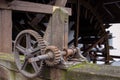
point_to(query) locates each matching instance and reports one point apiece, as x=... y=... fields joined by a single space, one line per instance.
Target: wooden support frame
x=39 y=17
x=57 y=31
x=58 y=36
x=30 y=7
x=107 y=54
x=20 y=6
x=77 y=24
x=97 y=42
x=6 y=31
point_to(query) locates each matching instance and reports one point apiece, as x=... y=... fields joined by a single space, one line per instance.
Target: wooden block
x=57 y=31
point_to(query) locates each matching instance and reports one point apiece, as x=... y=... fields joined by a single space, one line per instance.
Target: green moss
x=6 y=56
x=76 y=66
x=12 y=75
x=83 y=66
x=63 y=75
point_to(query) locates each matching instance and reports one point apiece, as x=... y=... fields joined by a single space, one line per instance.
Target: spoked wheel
x=28 y=44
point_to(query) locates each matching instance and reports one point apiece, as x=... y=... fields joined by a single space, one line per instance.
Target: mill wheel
x=28 y=44
x=86 y=25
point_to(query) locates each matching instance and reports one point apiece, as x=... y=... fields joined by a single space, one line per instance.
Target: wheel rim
x=27 y=45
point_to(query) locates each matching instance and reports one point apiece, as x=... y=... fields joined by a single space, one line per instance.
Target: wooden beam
x=61 y=2
x=31 y=7
x=59 y=36
x=93 y=45
x=58 y=31
x=62 y=35
x=5 y=31
x=39 y=17
x=9 y=0
x=107 y=54
x=77 y=28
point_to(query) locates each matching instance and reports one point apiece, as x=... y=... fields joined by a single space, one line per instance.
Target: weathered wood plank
x=57 y=34
x=39 y=17
x=107 y=54
x=77 y=28
x=31 y=7
x=97 y=42
x=59 y=29
x=6 y=31
x=9 y=0
x=61 y=2
x=48 y=32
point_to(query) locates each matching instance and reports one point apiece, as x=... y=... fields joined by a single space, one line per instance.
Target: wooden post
x=57 y=31
x=57 y=35
x=77 y=28
x=55 y=74
x=60 y=2
x=5 y=31
x=48 y=33
x=107 y=54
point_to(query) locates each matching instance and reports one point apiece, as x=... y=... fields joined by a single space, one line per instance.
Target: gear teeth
x=41 y=45
x=57 y=56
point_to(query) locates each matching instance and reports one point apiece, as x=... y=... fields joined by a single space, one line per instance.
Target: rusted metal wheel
x=28 y=44
x=56 y=59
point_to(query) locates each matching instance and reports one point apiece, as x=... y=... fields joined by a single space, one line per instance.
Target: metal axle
x=50 y=55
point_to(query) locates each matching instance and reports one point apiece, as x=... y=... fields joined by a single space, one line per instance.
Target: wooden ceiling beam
x=31 y=7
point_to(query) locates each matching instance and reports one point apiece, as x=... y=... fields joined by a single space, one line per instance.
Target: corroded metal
x=28 y=44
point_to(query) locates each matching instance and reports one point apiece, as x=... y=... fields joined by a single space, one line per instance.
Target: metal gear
x=28 y=44
x=56 y=56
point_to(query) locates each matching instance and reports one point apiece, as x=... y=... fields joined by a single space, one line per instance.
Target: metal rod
x=42 y=57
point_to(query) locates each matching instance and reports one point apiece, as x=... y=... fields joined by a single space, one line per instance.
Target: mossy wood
x=85 y=71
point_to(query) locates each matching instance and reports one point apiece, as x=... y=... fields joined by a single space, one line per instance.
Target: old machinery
x=54 y=33
x=28 y=44
x=30 y=52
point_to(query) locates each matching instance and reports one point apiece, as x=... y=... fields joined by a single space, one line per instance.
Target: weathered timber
x=61 y=2
x=8 y=69
x=9 y=0
x=6 y=31
x=81 y=71
x=97 y=42
x=47 y=36
x=57 y=34
x=94 y=12
x=63 y=35
x=77 y=23
x=30 y=7
x=39 y=17
x=107 y=54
